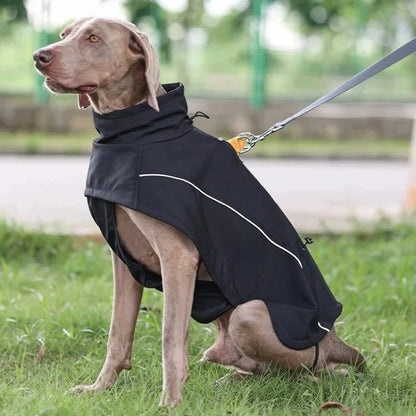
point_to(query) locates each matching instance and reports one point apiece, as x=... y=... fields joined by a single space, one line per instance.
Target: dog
x=112 y=66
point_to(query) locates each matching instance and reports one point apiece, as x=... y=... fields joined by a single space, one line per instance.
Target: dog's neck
x=105 y=101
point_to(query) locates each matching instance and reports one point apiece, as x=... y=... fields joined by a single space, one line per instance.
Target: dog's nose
x=43 y=58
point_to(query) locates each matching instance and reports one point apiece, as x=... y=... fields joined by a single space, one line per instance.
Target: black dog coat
x=158 y=163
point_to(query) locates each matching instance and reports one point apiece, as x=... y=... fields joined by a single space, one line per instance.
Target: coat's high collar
x=142 y=122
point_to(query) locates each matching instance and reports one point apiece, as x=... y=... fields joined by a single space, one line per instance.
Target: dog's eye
x=62 y=35
x=93 y=39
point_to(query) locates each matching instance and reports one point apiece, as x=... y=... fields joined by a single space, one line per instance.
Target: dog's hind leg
x=127 y=297
x=225 y=352
x=252 y=331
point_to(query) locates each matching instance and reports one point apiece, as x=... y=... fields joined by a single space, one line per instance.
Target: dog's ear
x=83 y=101
x=140 y=44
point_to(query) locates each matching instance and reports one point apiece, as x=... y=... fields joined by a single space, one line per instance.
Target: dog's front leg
x=178 y=288
x=127 y=297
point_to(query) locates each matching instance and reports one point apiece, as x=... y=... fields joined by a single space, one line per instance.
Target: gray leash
x=390 y=59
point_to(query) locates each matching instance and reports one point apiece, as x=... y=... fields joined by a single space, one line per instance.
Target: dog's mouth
x=85 y=89
x=60 y=88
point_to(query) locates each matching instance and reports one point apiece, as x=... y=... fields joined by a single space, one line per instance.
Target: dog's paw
x=204 y=359
x=82 y=389
x=90 y=388
x=170 y=400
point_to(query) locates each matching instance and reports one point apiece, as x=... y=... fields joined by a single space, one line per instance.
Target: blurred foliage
x=11 y=11
x=211 y=54
x=382 y=20
x=150 y=10
x=142 y=10
x=355 y=31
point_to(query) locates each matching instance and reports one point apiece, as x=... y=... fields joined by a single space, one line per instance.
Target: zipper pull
x=308 y=240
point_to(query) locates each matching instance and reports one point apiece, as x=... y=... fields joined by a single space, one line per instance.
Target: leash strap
x=245 y=141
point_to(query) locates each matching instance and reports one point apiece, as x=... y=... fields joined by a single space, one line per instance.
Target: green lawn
x=57 y=291
x=39 y=142
x=317 y=147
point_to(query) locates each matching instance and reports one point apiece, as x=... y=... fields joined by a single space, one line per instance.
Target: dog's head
x=99 y=54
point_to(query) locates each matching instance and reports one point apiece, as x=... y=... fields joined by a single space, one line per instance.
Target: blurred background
x=300 y=47
x=254 y=61
x=247 y=64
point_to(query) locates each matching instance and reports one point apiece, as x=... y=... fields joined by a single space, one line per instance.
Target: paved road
x=47 y=192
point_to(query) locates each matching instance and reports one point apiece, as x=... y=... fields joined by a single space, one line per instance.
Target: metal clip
x=251 y=139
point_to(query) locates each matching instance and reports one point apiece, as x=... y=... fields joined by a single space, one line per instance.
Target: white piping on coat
x=322 y=327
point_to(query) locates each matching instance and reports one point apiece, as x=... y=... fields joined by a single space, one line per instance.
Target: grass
x=57 y=291
x=38 y=142
x=317 y=147
x=80 y=143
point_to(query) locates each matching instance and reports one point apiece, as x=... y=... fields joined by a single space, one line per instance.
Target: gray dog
x=111 y=65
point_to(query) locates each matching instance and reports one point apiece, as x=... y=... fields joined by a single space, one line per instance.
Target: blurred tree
x=230 y=25
x=193 y=14
x=386 y=18
x=12 y=11
x=317 y=14
x=140 y=10
x=229 y=40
